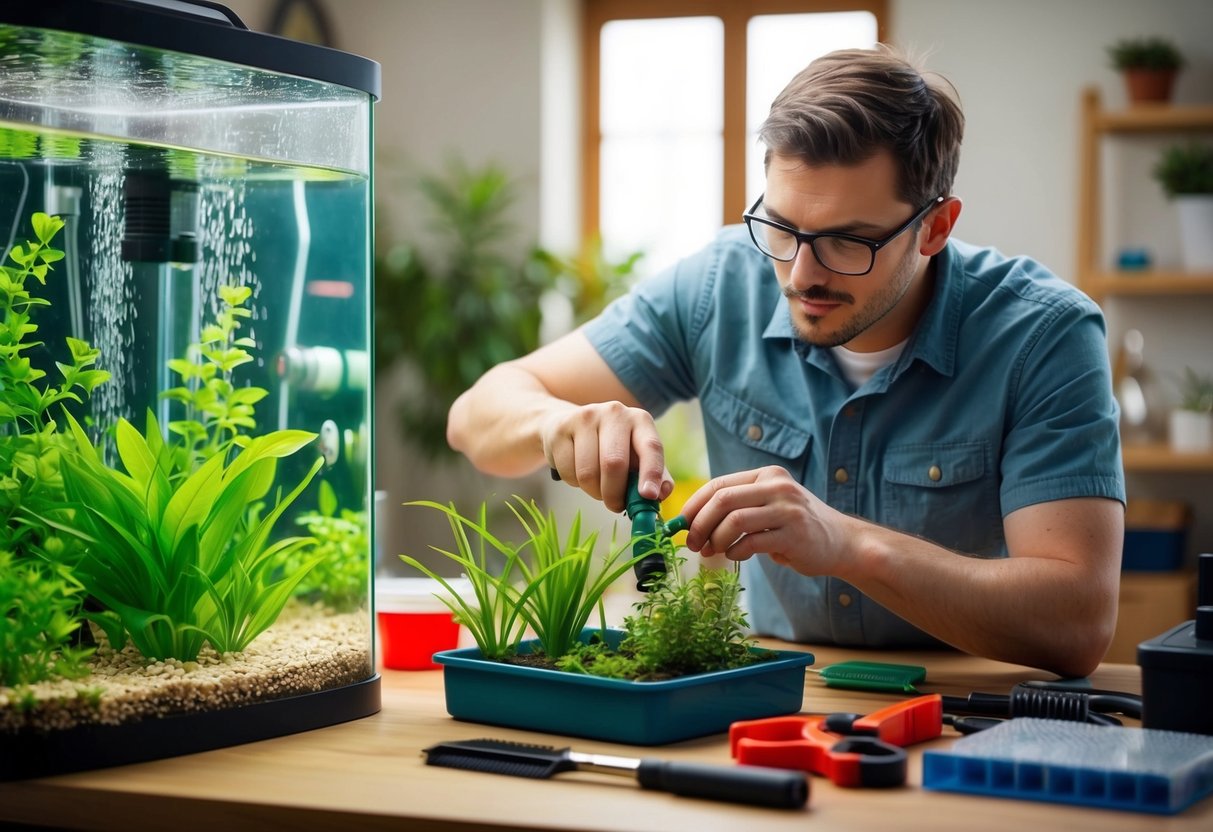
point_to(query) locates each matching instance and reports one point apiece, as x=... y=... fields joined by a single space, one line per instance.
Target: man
x=913 y=440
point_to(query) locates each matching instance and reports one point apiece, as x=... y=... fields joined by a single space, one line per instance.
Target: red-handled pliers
x=853 y=751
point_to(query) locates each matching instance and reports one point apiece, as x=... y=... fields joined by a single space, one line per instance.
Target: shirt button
x=841 y=475
x=934 y=473
x=754 y=432
x=844 y=599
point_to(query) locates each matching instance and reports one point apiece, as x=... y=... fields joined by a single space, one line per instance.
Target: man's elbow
x=1086 y=644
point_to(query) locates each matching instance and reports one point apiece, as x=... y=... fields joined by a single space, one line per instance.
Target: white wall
x=470 y=75
x=1020 y=68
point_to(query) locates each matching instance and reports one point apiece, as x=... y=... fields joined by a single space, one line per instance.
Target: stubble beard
x=878 y=306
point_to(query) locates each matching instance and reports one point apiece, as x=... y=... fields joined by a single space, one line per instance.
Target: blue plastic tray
x=1139 y=769
x=636 y=713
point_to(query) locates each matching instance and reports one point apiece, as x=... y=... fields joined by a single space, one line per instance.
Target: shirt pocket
x=742 y=435
x=946 y=492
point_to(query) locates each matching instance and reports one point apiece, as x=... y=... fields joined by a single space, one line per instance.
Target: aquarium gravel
x=308 y=649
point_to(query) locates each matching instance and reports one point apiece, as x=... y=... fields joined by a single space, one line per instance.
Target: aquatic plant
x=38 y=606
x=178 y=550
x=38 y=600
x=549 y=583
x=493 y=614
x=172 y=560
x=217 y=412
x=341 y=556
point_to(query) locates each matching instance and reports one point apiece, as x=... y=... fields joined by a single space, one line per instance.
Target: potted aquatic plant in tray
x=681 y=667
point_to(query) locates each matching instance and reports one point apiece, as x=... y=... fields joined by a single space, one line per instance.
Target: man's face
x=864 y=312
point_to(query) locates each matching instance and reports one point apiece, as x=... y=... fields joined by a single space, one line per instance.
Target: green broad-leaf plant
x=179 y=547
x=39 y=600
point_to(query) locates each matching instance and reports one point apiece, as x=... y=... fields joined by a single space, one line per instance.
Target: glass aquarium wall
x=185 y=421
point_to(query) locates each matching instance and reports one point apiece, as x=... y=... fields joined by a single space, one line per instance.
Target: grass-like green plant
x=564 y=579
x=341 y=556
x=551 y=583
x=38 y=615
x=493 y=614
x=172 y=559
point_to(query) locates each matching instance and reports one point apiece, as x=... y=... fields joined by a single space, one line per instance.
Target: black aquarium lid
x=196 y=27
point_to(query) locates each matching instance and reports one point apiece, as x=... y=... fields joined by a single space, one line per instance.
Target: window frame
x=735 y=15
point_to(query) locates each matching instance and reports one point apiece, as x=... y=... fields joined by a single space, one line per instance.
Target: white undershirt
x=858 y=367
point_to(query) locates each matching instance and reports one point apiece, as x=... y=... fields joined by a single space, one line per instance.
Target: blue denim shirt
x=1002 y=398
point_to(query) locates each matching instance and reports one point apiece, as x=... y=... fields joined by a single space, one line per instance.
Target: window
x=675 y=92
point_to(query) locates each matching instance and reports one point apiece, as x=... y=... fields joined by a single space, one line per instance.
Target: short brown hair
x=846 y=106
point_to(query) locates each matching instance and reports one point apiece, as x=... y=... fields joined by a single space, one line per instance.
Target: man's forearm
x=1039 y=611
x=496 y=422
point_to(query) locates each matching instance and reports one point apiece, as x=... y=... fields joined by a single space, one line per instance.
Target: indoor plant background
x=1185 y=172
x=1192 y=421
x=456 y=294
x=1149 y=66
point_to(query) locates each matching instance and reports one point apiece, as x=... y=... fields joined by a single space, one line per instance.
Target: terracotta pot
x=1149 y=85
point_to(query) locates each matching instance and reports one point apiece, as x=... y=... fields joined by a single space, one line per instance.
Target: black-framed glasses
x=841 y=253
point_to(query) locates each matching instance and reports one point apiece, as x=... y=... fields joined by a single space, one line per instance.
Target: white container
x=1191 y=431
x=1196 y=231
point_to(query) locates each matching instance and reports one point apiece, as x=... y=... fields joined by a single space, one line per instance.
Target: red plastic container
x=414 y=623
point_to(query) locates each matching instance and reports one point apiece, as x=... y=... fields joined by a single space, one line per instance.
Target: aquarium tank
x=185 y=413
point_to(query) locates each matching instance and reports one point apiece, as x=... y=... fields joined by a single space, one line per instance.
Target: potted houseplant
x=1192 y=421
x=681 y=667
x=1149 y=66
x=1185 y=172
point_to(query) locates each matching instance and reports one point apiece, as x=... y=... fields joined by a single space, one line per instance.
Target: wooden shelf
x=1155 y=118
x=1160 y=458
x=1162 y=283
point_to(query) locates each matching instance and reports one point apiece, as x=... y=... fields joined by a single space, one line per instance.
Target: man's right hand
x=563 y=406
x=594 y=446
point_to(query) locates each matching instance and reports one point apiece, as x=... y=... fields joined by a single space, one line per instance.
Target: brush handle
x=736 y=784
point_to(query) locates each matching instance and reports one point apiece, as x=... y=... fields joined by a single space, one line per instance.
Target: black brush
x=736 y=784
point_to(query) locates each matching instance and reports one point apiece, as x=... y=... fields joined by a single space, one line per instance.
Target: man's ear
x=939 y=224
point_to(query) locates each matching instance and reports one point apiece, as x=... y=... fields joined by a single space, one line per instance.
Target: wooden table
x=369 y=774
